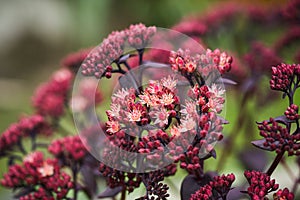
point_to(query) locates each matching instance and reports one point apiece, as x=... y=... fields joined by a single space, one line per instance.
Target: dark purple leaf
x=226 y=81
x=124 y=58
x=213 y=153
x=150 y=64
x=224 y=121
x=110 y=192
x=235 y=193
x=253 y=159
x=89 y=181
x=191 y=184
x=260 y=144
x=248 y=88
x=23 y=192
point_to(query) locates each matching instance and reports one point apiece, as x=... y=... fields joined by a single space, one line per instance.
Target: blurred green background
x=36 y=34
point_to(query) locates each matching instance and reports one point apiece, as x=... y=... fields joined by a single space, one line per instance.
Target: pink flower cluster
x=278 y=138
x=205 y=63
x=198 y=26
x=292 y=112
x=27 y=126
x=204 y=193
x=210 y=99
x=127 y=108
x=42 y=177
x=190 y=142
x=260 y=58
x=68 y=149
x=87 y=97
x=139 y=35
x=99 y=61
x=50 y=98
x=219 y=187
x=260 y=184
x=73 y=61
x=291 y=11
x=197 y=126
x=284 y=194
x=283 y=76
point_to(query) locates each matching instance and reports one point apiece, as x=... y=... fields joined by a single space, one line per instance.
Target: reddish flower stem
x=123 y=195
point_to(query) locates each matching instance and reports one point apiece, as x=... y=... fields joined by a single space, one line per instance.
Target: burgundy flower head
x=191 y=27
x=260 y=58
x=73 y=61
x=116 y=178
x=218 y=188
x=27 y=126
x=50 y=97
x=260 y=184
x=278 y=138
x=289 y=38
x=292 y=112
x=42 y=177
x=283 y=76
x=291 y=11
x=284 y=194
x=68 y=149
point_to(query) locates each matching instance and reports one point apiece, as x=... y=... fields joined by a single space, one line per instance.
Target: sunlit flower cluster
x=155 y=105
x=205 y=63
x=99 y=62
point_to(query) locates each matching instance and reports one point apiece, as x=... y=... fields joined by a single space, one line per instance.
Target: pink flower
x=136 y=112
x=46 y=169
x=161 y=116
x=112 y=127
x=189 y=109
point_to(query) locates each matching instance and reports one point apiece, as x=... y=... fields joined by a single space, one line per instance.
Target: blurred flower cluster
x=166 y=124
